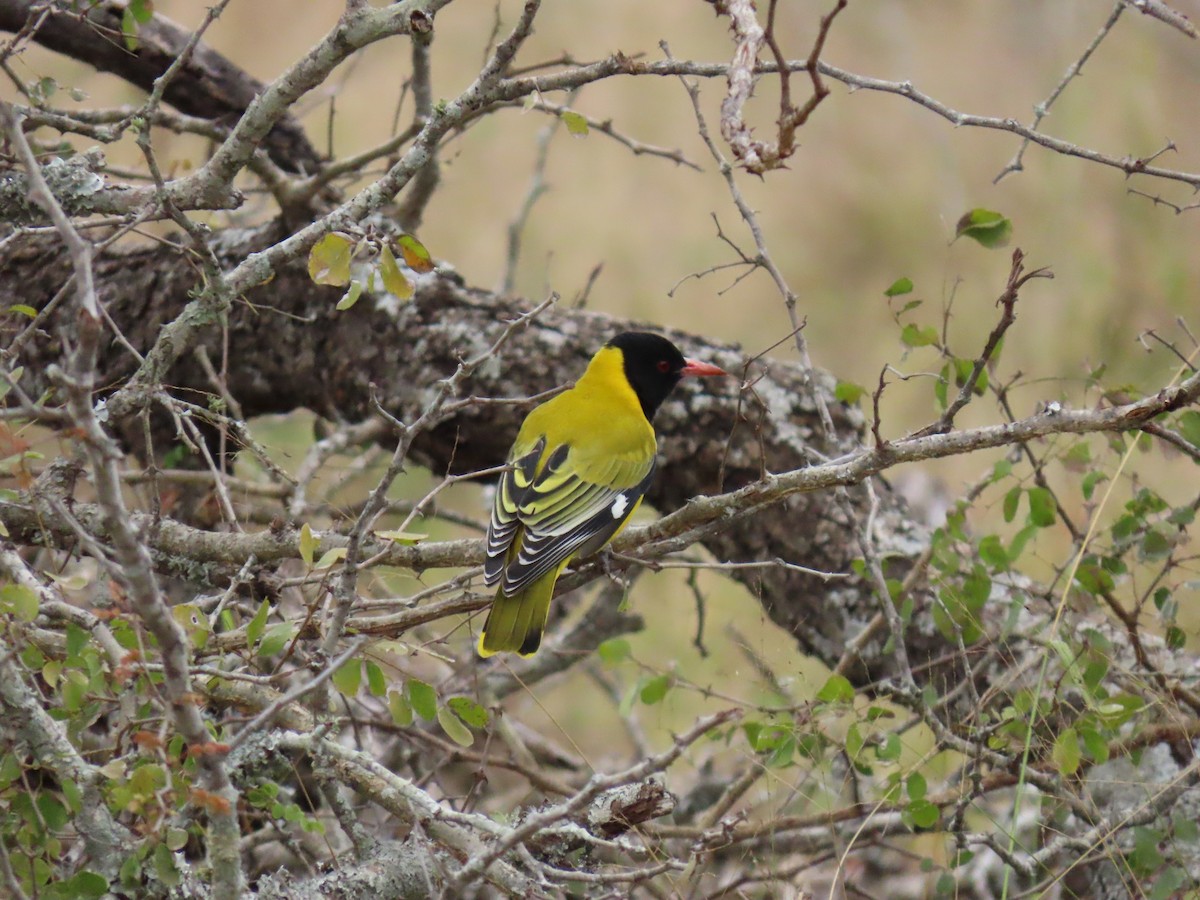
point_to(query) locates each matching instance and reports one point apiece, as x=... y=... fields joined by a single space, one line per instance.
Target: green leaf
x=576 y=124
x=329 y=260
x=655 y=689
x=348 y=677
x=1095 y=744
x=394 y=281
x=1011 y=501
x=1189 y=427
x=854 y=741
x=899 y=287
x=308 y=544
x=1065 y=754
x=143 y=10
x=423 y=699
x=1043 y=511
x=922 y=814
x=25 y=310
x=400 y=709
x=613 y=651
x=416 y=257
x=19 y=600
x=916 y=786
x=912 y=336
x=254 y=628
x=276 y=638
x=469 y=711
x=176 y=838
x=989 y=228
x=85 y=885
x=351 y=296
x=890 y=749
x=129 y=29
x=453 y=726
x=408 y=538
x=329 y=557
x=376 y=682
x=837 y=689
x=1168 y=883
x=848 y=392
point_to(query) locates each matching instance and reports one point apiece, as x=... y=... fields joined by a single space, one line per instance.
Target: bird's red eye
x=664 y=366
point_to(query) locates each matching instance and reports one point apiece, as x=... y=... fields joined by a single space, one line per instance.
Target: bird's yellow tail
x=515 y=624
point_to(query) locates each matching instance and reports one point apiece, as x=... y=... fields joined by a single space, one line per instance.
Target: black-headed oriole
x=578 y=470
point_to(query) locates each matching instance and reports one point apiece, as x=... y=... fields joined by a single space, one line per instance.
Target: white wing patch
x=620 y=505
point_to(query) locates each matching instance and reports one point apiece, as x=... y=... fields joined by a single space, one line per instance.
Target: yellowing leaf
x=308 y=544
x=351 y=296
x=394 y=281
x=329 y=260
x=330 y=557
x=416 y=257
x=453 y=726
x=401 y=537
x=576 y=124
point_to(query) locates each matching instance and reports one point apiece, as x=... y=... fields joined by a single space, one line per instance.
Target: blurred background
x=871 y=195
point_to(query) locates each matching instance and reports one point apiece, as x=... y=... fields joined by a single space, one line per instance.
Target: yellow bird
x=579 y=468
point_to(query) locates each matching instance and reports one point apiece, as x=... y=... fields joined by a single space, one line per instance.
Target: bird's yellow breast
x=600 y=419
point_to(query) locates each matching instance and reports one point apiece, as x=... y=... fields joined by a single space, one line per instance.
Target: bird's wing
x=506 y=510
x=571 y=502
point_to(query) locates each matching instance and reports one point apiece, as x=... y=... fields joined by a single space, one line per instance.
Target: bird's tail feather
x=515 y=624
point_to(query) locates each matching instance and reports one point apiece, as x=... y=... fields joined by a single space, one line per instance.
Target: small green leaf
x=25 y=310
x=1011 y=501
x=1168 y=884
x=329 y=557
x=308 y=544
x=912 y=336
x=85 y=885
x=19 y=600
x=469 y=711
x=394 y=281
x=837 y=689
x=890 y=749
x=401 y=537
x=655 y=689
x=848 y=392
x=454 y=728
x=348 y=677
x=400 y=709
x=916 y=786
x=576 y=124
x=254 y=628
x=376 y=682
x=1065 y=754
x=613 y=651
x=329 y=260
x=416 y=257
x=899 y=287
x=176 y=838
x=423 y=699
x=1189 y=427
x=129 y=29
x=143 y=10
x=922 y=814
x=276 y=638
x=989 y=228
x=1043 y=511
x=351 y=296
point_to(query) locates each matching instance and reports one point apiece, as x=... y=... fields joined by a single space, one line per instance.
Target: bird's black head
x=653 y=366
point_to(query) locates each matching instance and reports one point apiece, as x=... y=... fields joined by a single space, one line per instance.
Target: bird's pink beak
x=703 y=369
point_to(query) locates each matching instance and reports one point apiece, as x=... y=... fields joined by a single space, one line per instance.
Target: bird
x=577 y=472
